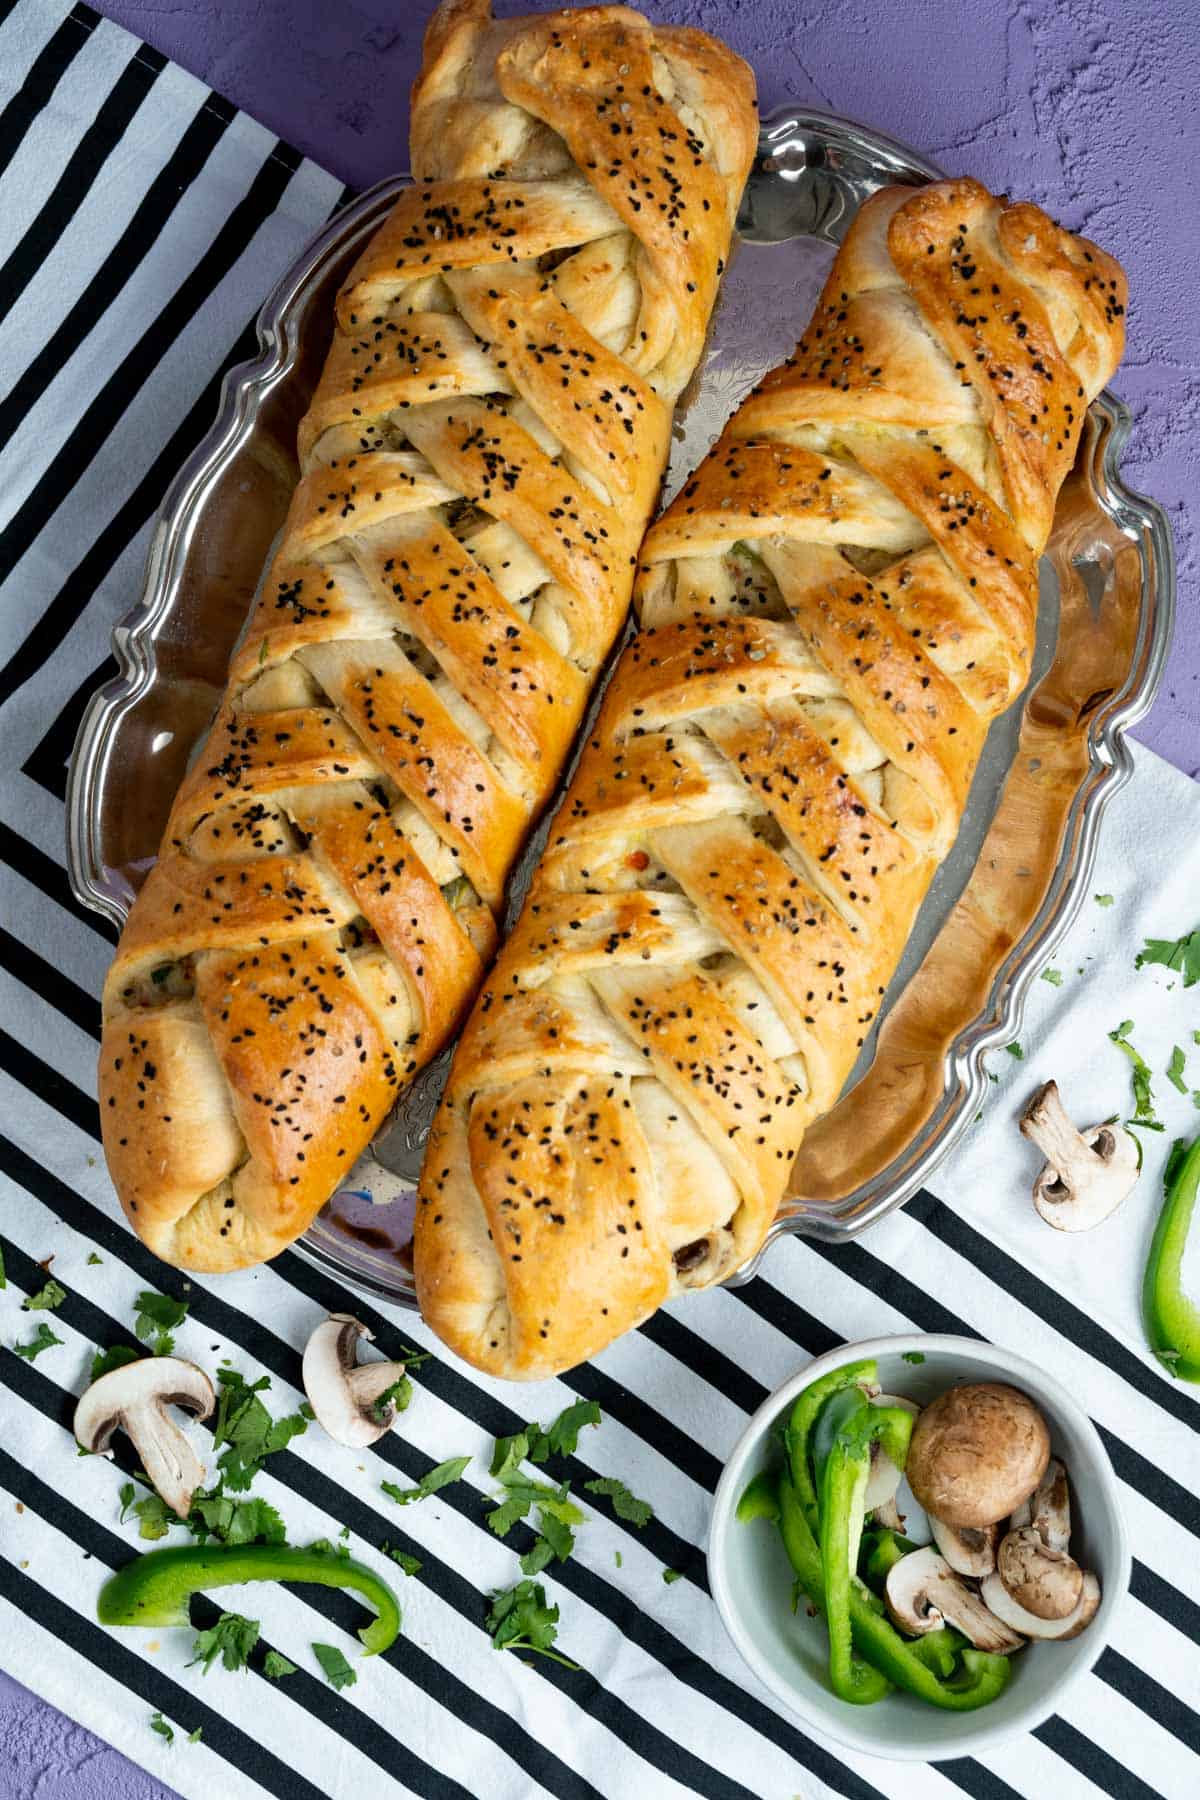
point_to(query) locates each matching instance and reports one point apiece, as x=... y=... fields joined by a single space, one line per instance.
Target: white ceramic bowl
x=751 y=1577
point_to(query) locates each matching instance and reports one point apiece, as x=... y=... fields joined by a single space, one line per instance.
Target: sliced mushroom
x=923 y=1592
x=1044 y=1582
x=344 y=1395
x=885 y=1477
x=134 y=1399
x=969 y=1549
x=1087 y=1174
x=1049 y=1510
x=1000 y=1602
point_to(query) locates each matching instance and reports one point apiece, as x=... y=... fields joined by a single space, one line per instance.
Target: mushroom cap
x=155 y=1381
x=135 y=1398
x=1000 y=1602
x=977 y=1452
x=1046 y=1582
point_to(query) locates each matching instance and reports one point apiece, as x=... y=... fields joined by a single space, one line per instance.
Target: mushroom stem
x=923 y=1592
x=1086 y=1174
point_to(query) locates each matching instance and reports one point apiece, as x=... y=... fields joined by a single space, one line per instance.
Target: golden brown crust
x=478 y=464
x=833 y=610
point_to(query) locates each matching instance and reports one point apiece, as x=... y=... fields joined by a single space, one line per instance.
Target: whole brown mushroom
x=977 y=1453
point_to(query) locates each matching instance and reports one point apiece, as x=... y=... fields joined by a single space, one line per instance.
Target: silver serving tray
x=1003 y=899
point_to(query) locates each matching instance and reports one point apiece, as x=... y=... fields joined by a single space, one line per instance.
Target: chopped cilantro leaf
x=439 y=1477
x=1015 y=1049
x=398 y=1395
x=625 y=1505
x=336 y=1669
x=46 y=1299
x=535 y=1560
x=670 y=1575
x=618 y=1559
x=1175 y=1070
x=159 y=1724
x=561 y=1437
x=155 y=1518
x=275 y=1666
x=246 y=1429
x=520 y=1619
x=158 y=1316
x=195 y=1736
x=1053 y=976
x=410 y=1564
x=42 y=1339
x=3 y=1276
x=520 y=1495
x=125 y=1494
x=95 y=1261
x=509 y=1453
x=232 y=1638
x=1181 y=953
x=912 y=1356
x=1103 y=899
x=1143 y=1096
x=253 y=1521
x=105 y=1361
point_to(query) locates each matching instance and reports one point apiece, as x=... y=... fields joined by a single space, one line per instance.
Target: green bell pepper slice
x=804 y=1416
x=155 y=1589
x=1172 y=1320
x=846 y=1428
x=882 y=1549
x=760 y=1500
x=983 y=1675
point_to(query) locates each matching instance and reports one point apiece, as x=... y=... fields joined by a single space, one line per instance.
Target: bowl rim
x=1021 y=1372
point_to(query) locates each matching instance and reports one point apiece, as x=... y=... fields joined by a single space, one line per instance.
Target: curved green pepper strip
x=846 y=1428
x=853 y=1679
x=760 y=1500
x=804 y=1417
x=155 y=1589
x=1173 y=1320
x=984 y=1675
x=939 y=1649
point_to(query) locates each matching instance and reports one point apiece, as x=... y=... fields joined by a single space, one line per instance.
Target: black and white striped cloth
x=144 y=218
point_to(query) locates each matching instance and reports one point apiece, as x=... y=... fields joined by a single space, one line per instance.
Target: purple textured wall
x=1089 y=107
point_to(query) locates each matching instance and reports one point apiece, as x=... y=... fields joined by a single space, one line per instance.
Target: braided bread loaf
x=832 y=611
x=478 y=465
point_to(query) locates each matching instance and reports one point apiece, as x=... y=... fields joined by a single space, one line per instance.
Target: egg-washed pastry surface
x=832 y=612
x=478 y=465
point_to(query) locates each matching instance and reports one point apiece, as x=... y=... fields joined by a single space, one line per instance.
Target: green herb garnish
x=42 y=1339
x=410 y=1564
x=336 y=1669
x=275 y=1666
x=398 y=1395
x=1182 y=954
x=232 y=1638
x=1143 y=1096
x=1103 y=899
x=1053 y=976
x=105 y=1361
x=912 y=1356
x=520 y=1619
x=159 y=1724
x=625 y=1505
x=46 y=1299
x=159 y=1316
x=247 y=1430
x=439 y=1477
x=670 y=1575
x=1175 y=1070
x=1015 y=1050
